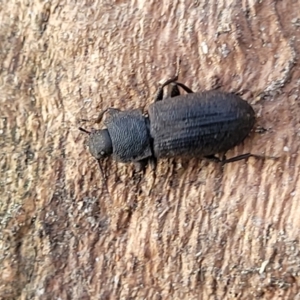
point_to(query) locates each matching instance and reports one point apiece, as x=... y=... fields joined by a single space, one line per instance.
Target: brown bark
x=191 y=231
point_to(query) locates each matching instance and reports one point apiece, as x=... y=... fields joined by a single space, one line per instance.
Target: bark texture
x=192 y=230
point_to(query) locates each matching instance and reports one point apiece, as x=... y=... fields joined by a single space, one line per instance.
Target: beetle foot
x=264 y=156
x=246 y=156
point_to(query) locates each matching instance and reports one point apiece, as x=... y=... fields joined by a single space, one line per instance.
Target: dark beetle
x=195 y=124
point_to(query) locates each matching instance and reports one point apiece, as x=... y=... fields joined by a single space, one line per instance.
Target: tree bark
x=189 y=230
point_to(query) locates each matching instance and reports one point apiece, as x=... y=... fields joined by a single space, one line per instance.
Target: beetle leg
x=173 y=91
x=236 y=158
x=140 y=165
x=160 y=93
x=260 y=129
x=84 y=130
x=152 y=162
x=100 y=116
x=224 y=161
x=247 y=155
x=111 y=111
x=188 y=90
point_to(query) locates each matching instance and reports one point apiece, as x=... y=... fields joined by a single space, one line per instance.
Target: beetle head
x=100 y=144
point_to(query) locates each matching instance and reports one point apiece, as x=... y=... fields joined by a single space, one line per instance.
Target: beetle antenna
x=104 y=178
x=83 y=130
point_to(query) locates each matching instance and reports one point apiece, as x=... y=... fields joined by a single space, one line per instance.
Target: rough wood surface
x=191 y=231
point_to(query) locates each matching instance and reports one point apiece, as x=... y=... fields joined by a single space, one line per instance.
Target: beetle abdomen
x=199 y=124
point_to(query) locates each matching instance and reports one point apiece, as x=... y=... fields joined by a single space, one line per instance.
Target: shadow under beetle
x=196 y=124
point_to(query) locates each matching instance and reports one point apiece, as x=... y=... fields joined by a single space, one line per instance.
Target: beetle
x=200 y=124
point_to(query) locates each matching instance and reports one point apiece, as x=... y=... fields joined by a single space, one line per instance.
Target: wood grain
x=192 y=230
